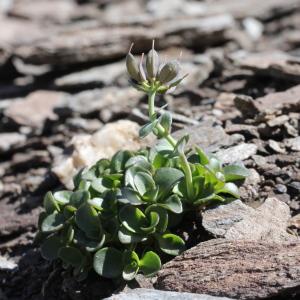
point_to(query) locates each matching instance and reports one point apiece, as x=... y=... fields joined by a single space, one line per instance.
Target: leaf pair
x=112 y=263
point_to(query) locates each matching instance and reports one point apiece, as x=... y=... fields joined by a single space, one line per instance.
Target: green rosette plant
x=119 y=218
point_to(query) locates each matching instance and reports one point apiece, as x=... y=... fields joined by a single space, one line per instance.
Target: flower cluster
x=160 y=78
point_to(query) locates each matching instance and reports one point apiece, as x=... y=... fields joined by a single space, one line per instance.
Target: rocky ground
x=62 y=79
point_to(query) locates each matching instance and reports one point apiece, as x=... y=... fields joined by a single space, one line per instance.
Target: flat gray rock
x=236 y=153
x=149 y=294
x=237 y=221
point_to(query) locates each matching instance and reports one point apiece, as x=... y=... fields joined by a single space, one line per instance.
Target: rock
x=295 y=221
x=207 y=136
x=293 y=144
x=103 y=75
x=275 y=146
x=236 y=153
x=12 y=222
x=88 y=149
x=8 y=140
x=58 y=11
x=95 y=43
x=271 y=104
x=237 y=221
x=6 y=264
x=35 y=109
x=238 y=269
x=107 y=101
x=219 y=220
x=151 y=294
x=246 y=130
x=271 y=63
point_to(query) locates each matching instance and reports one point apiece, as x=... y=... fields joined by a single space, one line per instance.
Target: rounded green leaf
x=87 y=219
x=50 y=247
x=63 y=197
x=173 y=203
x=166 y=121
x=119 y=160
x=71 y=255
x=143 y=182
x=166 y=178
x=127 y=195
x=235 y=172
x=89 y=244
x=150 y=264
x=127 y=237
x=96 y=203
x=171 y=244
x=147 y=129
x=229 y=188
x=98 y=185
x=53 y=222
x=163 y=217
x=131 y=262
x=153 y=218
x=138 y=160
x=108 y=262
x=132 y=218
x=130 y=271
x=50 y=204
x=79 y=197
x=69 y=211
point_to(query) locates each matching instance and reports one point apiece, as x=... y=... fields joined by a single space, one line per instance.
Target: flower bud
x=132 y=66
x=141 y=69
x=152 y=63
x=169 y=71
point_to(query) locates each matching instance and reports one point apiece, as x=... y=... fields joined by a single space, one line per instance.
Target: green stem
x=161 y=132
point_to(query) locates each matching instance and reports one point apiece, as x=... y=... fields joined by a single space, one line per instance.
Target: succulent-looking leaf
x=162 y=224
x=147 y=129
x=203 y=158
x=130 y=271
x=171 y=244
x=150 y=264
x=63 y=197
x=166 y=121
x=166 y=178
x=50 y=204
x=79 y=197
x=119 y=160
x=50 y=247
x=143 y=183
x=90 y=245
x=96 y=203
x=127 y=237
x=173 y=204
x=53 y=222
x=229 y=188
x=69 y=211
x=71 y=255
x=140 y=161
x=87 y=220
x=208 y=199
x=153 y=218
x=127 y=195
x=132 y=218
x=108 y=262
x=131 y=262
x=235 y=172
